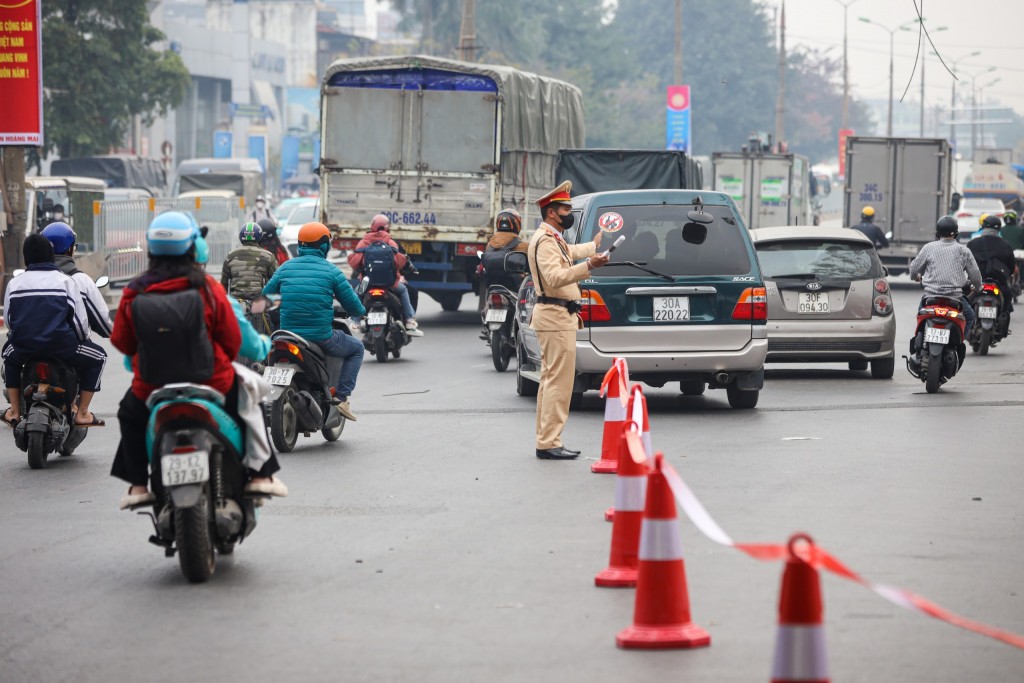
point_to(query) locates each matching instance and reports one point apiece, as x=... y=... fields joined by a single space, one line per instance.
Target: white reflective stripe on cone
x=645 y=438
x=630 y=493
x=614 y=411
x=800 y=654
x=660 y=540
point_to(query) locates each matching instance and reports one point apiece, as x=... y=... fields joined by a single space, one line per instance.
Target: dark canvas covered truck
x=440 y=147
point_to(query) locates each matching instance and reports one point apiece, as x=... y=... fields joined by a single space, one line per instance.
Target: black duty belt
x=571 y=306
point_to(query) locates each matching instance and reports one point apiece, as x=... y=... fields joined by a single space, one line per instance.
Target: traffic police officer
x=556 y=315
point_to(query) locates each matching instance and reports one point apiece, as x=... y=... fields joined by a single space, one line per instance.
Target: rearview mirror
x=102 y=281
x=954 y=202
x=694 y=233
x=700 y=217
x=516 y=262
x=364 y=284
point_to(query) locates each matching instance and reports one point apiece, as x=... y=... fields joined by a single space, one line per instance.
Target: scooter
x=198 y=478
x=385 y=332
x=500 y=318
x=993 y=320
x=937 y=348
x=302 y=379
x=48 y=393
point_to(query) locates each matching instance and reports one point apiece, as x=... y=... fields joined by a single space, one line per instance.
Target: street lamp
x=974 y=102
x=846 y=72
x=924 y=53
x=981 y=100
x=952 y=99
x=892 y=34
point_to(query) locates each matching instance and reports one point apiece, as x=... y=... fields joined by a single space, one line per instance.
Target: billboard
x=843 y=134
x=677 y=118
x=21 y=73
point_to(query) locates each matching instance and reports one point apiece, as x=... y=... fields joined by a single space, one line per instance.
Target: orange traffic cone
x=645 y=436
x=630 y=490
x=800 y=644
x=613 y=388
x=661 y=618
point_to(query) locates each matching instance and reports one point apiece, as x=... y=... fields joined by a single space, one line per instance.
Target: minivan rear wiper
x=640 y=266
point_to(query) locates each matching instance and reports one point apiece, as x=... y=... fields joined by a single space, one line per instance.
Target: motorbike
x=385 y=332
x=500 y=318
x=49 y=396
x=198 y=478
x=993 y=319
x=937 y=348
x=301 y=379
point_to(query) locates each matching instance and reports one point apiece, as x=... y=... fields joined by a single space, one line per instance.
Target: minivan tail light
x=594 y=308
x=752 y=305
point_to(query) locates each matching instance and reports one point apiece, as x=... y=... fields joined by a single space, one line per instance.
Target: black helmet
x=991 y=222
x=947 y=227
x=268 y=227
x=1010 y=217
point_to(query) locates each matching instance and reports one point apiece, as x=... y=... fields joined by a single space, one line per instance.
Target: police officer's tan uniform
x=551 y=260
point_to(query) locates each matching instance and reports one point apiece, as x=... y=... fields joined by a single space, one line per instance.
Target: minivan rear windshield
x=824 y=259
x=654 y=237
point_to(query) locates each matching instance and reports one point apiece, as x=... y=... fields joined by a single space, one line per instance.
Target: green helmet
x=251 y=233
x=1010 y=218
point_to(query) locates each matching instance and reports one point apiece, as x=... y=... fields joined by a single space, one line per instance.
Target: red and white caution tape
x=618 y=373
x=814 y=555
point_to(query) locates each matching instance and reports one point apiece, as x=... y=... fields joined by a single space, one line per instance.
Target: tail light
x=497 y=301
x=377 y=291
x=752 y=305
x=881 y=286
x=43 y=373
x=963 y=215
x=989 y=287
x=594 y=308
x=191 y=412
x=463 y=249
x=344 y=244
x=288 y=347
x=883 y=304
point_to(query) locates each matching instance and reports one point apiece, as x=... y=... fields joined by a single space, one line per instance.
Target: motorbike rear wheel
x=501 y=351
x=984 y=342
x=284 y=424
x=380 y=349
x=193 y=539
x=934 y=377
x=37 y=451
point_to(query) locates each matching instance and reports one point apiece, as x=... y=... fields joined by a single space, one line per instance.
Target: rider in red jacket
x=380 y=231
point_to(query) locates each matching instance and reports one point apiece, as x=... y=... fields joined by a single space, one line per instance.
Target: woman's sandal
x=130 y=500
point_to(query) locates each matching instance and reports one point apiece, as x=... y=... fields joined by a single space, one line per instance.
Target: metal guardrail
x=119 y=230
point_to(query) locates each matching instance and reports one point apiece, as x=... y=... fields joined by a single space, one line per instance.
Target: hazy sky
x=993 y=27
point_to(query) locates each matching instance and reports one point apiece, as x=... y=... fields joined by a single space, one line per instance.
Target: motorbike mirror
x=364 y=284
x=516 y=262
x=693 y=233
x=888 y=235
x=102 y=281
x=479 y=254
x=18 y=272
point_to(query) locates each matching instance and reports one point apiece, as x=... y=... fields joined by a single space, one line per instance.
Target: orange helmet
x=314 y=234
x=380 y=222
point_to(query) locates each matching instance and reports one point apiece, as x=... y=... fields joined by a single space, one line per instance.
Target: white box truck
x=771 y=190
x=440 y=147
x=907 y=182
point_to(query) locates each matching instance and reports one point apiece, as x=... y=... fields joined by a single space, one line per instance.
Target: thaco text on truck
x=907 y=182
x=440 y=147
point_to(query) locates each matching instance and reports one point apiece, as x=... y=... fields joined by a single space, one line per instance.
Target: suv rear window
x=825 y=259
x=654 y=239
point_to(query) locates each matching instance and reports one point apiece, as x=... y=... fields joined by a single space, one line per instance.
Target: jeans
x=341 y=345
x=407 y=310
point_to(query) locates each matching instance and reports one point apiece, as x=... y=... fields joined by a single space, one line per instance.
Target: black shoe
x=571 y=450
x=559 y=453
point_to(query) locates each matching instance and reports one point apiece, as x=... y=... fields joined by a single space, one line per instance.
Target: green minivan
x=682 y=299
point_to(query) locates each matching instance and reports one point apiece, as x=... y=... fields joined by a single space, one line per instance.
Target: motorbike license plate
x=813 y=302
x=496 y=315
x=671 y=309
x=377 y=318
x=988 y=312
x=280 y=376
x=185 y=468
x=936 y=335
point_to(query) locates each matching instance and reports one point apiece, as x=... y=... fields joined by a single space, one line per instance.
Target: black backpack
x=494 y=259
x=379 y=263
x=174 y=345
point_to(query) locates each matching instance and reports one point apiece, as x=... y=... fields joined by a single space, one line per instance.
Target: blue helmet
x=251 y=233
x=61 y=236
x=171 y=234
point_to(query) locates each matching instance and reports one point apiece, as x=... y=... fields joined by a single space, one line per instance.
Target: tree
x=101 y=69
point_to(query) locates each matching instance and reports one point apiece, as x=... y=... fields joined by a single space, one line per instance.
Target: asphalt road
x=429 y=544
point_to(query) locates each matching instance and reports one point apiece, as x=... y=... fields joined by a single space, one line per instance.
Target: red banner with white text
x=21 y=73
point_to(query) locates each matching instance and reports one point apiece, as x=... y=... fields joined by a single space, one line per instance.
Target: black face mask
x=568 y=220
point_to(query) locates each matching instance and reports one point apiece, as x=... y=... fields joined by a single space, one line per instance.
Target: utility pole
x=846 y=71
x=780 y=99
x=467 y=33
x=924 y=53
x=678 y=73
x=12 y=173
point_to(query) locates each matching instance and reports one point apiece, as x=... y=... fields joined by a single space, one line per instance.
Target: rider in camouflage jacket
x=248 y=268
